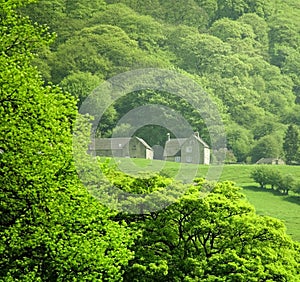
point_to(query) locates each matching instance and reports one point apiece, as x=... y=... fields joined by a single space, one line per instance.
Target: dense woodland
x=245 y=54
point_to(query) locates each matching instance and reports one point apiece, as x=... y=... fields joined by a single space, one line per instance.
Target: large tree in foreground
x=215 y=238
x=50 y=227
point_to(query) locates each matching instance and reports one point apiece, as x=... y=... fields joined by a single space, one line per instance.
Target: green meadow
x=266 y=202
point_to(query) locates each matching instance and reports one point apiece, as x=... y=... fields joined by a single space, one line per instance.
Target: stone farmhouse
x=187 y=150
x=126 y=147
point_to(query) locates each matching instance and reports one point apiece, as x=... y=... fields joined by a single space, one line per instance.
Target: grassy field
x=266 y=202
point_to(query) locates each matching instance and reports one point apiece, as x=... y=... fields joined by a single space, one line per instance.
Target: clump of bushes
x=267 y=176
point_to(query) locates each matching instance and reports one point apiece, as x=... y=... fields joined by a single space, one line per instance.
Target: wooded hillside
x=244 y=53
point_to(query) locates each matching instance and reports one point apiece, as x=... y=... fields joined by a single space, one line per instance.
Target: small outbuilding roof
x=270 y=161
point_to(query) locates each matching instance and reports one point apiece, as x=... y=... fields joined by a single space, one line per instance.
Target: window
x=189 y=149
x=133 y=147
x=177 y=159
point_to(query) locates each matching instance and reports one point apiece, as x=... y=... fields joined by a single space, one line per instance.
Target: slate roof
x=111 y=143
x=173 y=146
x=115 y=143
x=201 y=141
x=269 y=160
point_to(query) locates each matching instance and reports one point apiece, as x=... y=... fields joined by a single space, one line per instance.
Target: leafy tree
x=80 y=85
x=145 y=31
x=83 y=9
x=291 y=144
x=265 y=175
x=147 y=7
x=51 y=228
x=286 y=183
x=267 y=127
x=291 y=67
x=261 y=175
x=248 y=114
x=236 y=8
x=296 y=188
x=45 y=12
x=274 y=178
x=266 y=147
x=202 y=53
x=291 y=115
x=192 y=15
x=240 y=141
x=227 y=29
x=260 y=28
x=104 y=50
x=231 y=9
x=215 y=238
x=209 y=6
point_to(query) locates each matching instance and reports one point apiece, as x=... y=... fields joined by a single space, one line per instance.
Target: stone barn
x=126 y=147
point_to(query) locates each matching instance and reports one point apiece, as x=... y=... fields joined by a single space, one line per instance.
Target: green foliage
x=139 y=194
x=51 y=229
x=296 y=188
x=227 y=29
x=243 y=53
x=286 y=183
x=266 y=147
x=143 y=29
x=265 y=175
x=212 y=239
x=261 y=176
x=141 y=184
x=260 y=29
x=291 y=144
x=80 y=85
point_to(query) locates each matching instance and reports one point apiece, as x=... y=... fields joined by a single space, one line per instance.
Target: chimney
x=196 y=134
x=168 y=136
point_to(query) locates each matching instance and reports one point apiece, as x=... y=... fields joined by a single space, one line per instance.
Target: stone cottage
x=187 y=150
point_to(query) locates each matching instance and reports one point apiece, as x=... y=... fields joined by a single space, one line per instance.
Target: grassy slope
x=286 y=208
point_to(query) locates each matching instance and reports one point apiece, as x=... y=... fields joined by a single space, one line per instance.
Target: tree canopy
x=51 y=228
x=243 y=53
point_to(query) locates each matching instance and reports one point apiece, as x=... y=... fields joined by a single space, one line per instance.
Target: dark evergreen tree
x=291 y=144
